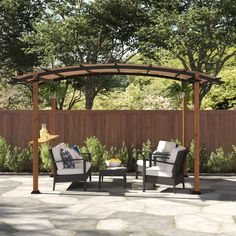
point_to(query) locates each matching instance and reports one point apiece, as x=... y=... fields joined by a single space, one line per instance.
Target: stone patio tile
x=177 y=232
x=100 y=233
x=112 y=224
x=96 y=212
x=165 y=209
x=229 y=228
x=197 y=223
x=141 y=222
x=53 y=232
x=224 y=208
x=73 y=223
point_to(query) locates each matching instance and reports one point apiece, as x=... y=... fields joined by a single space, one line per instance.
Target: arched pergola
x=84 y=70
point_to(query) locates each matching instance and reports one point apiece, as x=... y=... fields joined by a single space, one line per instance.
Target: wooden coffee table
x=112 y=171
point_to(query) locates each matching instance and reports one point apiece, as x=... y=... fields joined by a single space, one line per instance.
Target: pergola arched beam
x=85 y=70
x=73 y=72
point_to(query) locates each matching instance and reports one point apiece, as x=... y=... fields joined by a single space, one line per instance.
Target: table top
x=113 y=171
x=51 y=137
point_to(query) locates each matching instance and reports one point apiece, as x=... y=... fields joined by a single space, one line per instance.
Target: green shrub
x=96 y=148
x=234 y=148
x=20 y=159
x=219 y=162
x=147 y=146
x=4 y=153
x=203 y=159
x=133 y=158
x=46 y=162
x=123 y=155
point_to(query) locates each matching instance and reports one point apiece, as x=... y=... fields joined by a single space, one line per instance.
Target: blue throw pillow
x=67 y=159
x=76 y=148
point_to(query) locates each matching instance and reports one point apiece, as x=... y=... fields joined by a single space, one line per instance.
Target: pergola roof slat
x=82 y=70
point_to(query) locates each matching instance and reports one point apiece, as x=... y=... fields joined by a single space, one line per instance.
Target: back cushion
x=165 y=146
x=57 y=156
x=174 y=154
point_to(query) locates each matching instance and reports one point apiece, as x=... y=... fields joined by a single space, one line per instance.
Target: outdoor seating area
x=165 y=166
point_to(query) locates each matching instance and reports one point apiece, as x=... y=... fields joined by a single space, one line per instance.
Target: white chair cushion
x=57 y=155
x=174 y=154
x=74 y=171
x=140 y=163
x=165 y=146
x=155 y=171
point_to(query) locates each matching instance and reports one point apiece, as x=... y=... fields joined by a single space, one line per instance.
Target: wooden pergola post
x=185 y=129
x=35 y=136
x=196 y=132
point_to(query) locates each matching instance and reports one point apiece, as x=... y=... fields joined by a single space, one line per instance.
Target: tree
x=98 y=32
x=224 y=96
x=16 y=18
x=199 y=33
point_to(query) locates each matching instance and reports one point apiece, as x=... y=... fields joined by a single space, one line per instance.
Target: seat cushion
x=156 y=171
x=140 y=163
x=74 y=171
x=57 y=156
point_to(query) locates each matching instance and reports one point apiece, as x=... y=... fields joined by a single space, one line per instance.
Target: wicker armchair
x=80 y=173
x=170 y=172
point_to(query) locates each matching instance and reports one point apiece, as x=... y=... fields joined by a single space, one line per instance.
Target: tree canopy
x=200 y=34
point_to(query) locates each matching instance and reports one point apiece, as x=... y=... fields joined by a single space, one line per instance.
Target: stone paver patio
x=114 y=211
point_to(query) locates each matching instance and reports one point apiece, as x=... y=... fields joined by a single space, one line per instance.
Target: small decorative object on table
x=44 y=132
x=114 y=162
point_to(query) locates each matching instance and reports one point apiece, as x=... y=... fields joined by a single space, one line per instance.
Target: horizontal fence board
x=218 y=128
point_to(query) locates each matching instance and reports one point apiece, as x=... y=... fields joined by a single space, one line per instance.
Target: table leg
x=100 y=181
x=125 y=180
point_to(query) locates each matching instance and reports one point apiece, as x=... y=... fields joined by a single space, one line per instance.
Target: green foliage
x=20 y=159
x=45 y=157
x=96 y=32
x=175 y=91
x=4 y=153
x=147 y=146
x=224 y=96
x=234 y=148
x=123 y=155
x=219 y=162
x=200 y=34
x=96 y=148
x=203 y=158
x=140 y=94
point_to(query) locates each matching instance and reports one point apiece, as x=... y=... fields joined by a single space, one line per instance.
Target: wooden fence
x=218 y=128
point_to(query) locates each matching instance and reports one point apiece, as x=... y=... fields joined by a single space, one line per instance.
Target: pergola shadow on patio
x=85 y=70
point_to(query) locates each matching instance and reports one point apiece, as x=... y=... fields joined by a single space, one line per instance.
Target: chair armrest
x=160 y=153
x=57 y=161
x=78 y=159
x=168 y=163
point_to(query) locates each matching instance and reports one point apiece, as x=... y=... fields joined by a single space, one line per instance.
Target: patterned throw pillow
x=67 y=159
x=74 y=147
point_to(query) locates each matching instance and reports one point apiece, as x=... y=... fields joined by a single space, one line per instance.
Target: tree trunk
x=88 y=101
x=89 y=93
